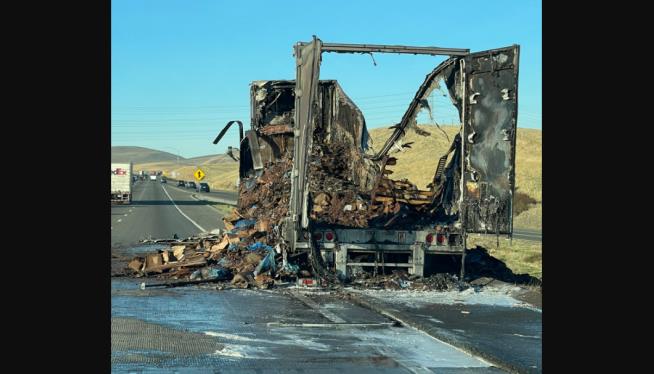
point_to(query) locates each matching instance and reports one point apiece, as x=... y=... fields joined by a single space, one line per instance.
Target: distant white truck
x=121 y=183
x=153 y=177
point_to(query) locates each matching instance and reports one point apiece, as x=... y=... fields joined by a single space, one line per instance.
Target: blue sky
x=181 y=69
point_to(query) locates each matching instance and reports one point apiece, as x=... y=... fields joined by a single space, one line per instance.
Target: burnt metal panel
x=224 y=131
x=254 y=149
x=306 y=94
x=383 y=48
x=489 y=139
x=245 y=167
x=343 y=123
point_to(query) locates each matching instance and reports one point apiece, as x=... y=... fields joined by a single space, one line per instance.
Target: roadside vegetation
x=224 y=209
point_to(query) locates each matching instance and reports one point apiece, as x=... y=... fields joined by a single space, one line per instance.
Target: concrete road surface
x=160 y=211
x=226 y=195
x=490 y=323
x=201 y=330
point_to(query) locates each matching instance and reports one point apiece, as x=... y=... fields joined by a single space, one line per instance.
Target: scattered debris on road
x=243 y=257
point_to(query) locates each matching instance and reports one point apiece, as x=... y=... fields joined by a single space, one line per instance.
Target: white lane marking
x=527 y=336
x=182 y=213
x=125 y=215
x=120 y=220
x=141 y=194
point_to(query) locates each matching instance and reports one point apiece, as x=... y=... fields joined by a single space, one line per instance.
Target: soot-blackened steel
x=489 y=139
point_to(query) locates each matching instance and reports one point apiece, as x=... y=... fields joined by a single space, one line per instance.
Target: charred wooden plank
x=277 y=129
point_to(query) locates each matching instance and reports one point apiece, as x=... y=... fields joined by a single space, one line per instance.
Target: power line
x=242 y=106
x=372 y=97
x=225 y=117
x=175 y=120
x=368 y=107
x=183 y=107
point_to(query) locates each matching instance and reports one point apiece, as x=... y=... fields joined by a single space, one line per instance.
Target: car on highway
x=181 y=184
x=204 y=187
x=191 y=185
x=163 y=180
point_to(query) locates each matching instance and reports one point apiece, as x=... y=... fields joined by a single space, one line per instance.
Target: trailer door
x=489 y=139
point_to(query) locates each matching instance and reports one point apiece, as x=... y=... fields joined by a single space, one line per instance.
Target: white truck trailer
x=121 y=183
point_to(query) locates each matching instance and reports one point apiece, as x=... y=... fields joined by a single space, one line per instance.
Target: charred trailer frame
x=472 y=193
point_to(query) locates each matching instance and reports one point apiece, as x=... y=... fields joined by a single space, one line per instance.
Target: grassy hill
x=140 y=155
x=221 y=171
x=208 y=160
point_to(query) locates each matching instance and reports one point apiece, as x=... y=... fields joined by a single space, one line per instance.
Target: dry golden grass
x=530 y=219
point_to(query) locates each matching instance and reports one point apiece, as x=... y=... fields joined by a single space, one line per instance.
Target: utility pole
x=176 y=150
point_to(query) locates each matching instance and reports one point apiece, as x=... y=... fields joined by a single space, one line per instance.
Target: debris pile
x=350 y=190
x=242 y=255
x=400 y=280
x=266 y=198
x=391 y=202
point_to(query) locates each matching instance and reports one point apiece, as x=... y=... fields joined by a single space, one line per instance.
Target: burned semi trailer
x=305 y=165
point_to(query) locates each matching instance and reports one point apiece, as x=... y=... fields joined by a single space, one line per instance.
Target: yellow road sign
x=199 y=174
